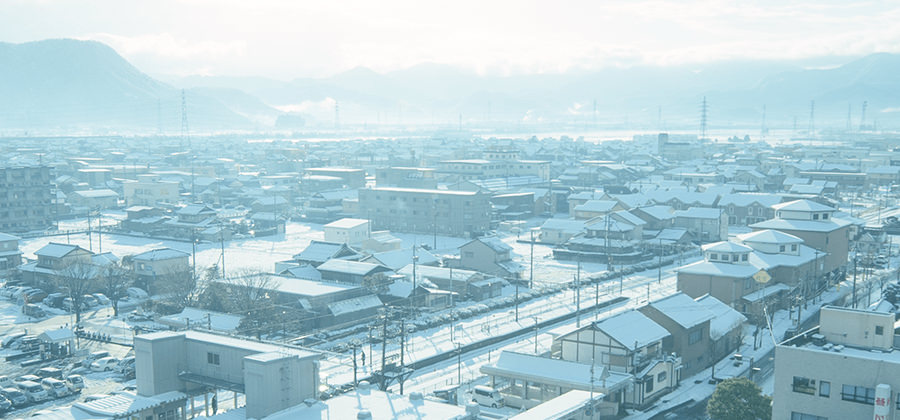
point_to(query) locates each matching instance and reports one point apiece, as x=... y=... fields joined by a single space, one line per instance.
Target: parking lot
x=23 y=355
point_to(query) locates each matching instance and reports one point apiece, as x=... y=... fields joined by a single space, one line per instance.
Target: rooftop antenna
x=703 y=110
x=812 y=119
x=862 y=118
x=184 y=122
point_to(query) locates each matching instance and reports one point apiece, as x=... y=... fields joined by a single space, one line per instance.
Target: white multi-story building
x=848 y=368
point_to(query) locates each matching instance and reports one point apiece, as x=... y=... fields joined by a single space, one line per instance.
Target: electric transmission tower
x=703 y=113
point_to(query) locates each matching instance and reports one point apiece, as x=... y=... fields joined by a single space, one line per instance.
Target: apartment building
x=444 y=212
x=26 y=198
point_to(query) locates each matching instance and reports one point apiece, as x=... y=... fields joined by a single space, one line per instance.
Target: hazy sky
x=297 y=38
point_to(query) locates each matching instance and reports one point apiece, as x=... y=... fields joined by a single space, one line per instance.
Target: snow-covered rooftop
x=631 y=329
x=683 y=310
x=725 y=317
x=802 y=205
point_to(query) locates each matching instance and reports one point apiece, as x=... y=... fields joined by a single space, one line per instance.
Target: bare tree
x=115 y=279
x=179 y=287
x=75 y=280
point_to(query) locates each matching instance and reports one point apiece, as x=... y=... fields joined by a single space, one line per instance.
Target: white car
x=104 y=364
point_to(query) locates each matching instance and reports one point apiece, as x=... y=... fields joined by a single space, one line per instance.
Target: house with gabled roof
x=10 y=255
x=628 y=342
x=688 y=323
x=490 y=255
x=317 y=252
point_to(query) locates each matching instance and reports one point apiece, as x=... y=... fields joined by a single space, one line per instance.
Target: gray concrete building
x=847 y=368
x=454 y=213
x=26 y=198
x=272 y=377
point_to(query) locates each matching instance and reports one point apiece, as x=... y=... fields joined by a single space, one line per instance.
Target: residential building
x=156 y=267
x=347 y=231
x=26 y=198
x=317 y=252
x=704 y=224
x=474 y=285
x=629 y=342
x=149 y=190
x=10 y=256
x=397 y=176
x=94 y=199
x=52 y=258
x=455 y=213
x=688 y=323
x=350 y=177
x=814 y=223
x=489 y=255
x=847 y=368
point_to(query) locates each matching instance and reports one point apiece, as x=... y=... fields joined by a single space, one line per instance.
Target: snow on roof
x=57 y=250
x=725 y=317
x=400 y=258
x=425 y=191
x=207 y=319
x=304 y=287
x=304 y=271
x=683 y=310
x=768 y=291
x=57 y=335
x=741 y=271
x=700 y=213
x=632 y=328
x=100 y=193
x=802 y=225
x=229 y=341
x=7 y=237
x=670 y=234
x=349 y=267
x=563 y=406
x=346 y=223
x=161 y=254
x=492 y=242
x=746 y=199
x=767 y=261
x=194 y=209
x=597 y=206
x=441 y=273
x=802 y=205
x=769 y=236
x=555 y=372
x=320 y=251
x=381 y=405
x=125 y=404
x=564 y=225
x=354 y=305
x=726 y=246
x=659 y=212
x=630 y=218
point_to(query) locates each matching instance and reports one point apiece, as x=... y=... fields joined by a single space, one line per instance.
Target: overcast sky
x=298 y=38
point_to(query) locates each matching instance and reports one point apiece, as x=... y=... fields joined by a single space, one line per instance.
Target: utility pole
x=402 y=346
x=384 y=346
x=659 y=269
x=90 y=234
x=578 y=295
x=855 y=262
x=100 y=231
x=531 y=275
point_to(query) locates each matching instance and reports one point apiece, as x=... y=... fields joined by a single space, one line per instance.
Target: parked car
x=32 y=310
x=89 y=301
x=75 y=382
x=55 y=387
x=35 y=296
x=54 y=300
x=11 y=339
x=105 y=364
x=488 y=396
x=95 y=356
x=137 y=293
x=27 y=378
x=34 y=391
x=101 y=298
x=16 y=397
x=6 y=382
x=50 y=372
x=125 y=364
x=135 y=316
x=5 y=405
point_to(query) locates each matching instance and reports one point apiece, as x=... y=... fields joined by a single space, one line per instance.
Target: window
x=734 y=258
x=803 y=416
x=661 y=377
x=794 y=247
x=695 y=336
x=804 y=385
x=781 y=248
x=748 y=283
x=744 y=257
x=824 y=216
x=858 y=394
x=824 y=389
x=212 y=358
x=713 y=256
x=648 y=386
x=815 y=216
x=879 y=330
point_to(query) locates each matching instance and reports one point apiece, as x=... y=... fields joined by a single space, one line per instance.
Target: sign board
x=762 y=277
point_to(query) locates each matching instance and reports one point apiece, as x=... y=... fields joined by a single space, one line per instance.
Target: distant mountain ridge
x=65 y=84
x=70 y=85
